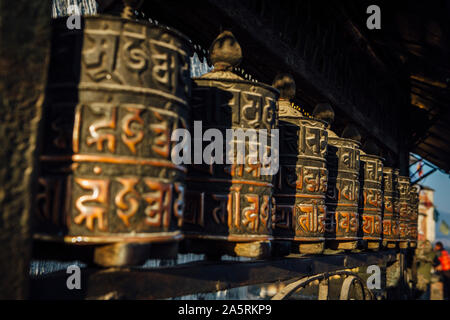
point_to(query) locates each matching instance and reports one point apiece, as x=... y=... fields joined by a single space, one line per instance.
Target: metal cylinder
x=232 y=201
x=397 y=206
x=404 y=212
x=371 y=200
x=117 y=89
x=343 y=163
x=302 y=182
x=390 y=208
x=413 y=216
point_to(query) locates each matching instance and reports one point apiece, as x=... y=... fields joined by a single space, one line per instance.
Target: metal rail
x=323 y=286
x=197 y=277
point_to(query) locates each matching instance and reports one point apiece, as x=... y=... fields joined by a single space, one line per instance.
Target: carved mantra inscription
x=346 y=222
x=371 y=197
x=391 y=225
x=345 y=191
x=231 y=199
x=131 y=54
x=414 y=214
x=249 y=213
x=342 y=197
x=142 y=130
x=390 y=228
x=303 y=138
x=390 y=219
x=230 y=106
x=403 y=188
x=306 y=219
x=301 y=183
x=108 y=151
x=372 y=226
x=153 y=207
x=304 y=179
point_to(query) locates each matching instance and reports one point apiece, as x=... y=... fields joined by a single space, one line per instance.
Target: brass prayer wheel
x=390 y=208
x=404 y=212
x=343 y=163
x=371 y=200
x=301 y=184
x=414 y=216
x=231 y=203
x=117 y=88
x=397 y=207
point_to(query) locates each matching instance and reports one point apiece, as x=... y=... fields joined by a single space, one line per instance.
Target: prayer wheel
x=390 y=207
x=231 y=203
x=371 y=200
x=301 y=184
x=404 y=212
x=343 y=163
x=414 y=216
x=117 y=89
x=397 y=207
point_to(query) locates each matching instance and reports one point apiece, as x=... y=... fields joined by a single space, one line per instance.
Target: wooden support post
x=24 y=35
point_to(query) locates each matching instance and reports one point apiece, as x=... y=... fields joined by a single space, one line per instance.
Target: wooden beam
x=430 y=156
x=424 y=176
x=439 y=137
x=266 y=53
x=273 y=45
x=429 y=82
x=360 y=37
x=438 y=149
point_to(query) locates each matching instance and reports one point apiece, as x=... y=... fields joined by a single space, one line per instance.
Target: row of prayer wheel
x=117 y=91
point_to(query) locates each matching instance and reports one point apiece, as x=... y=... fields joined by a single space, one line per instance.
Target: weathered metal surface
x=403 y=187
x=343 y=192
x=397 y=205
x=371 y=200
x=301 y=184
x=413 y=215
x=390 y=207
x=117 y=89
x=231 y=202
x=181 y=280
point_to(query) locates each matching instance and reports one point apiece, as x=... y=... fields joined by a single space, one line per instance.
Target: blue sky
x=440 y=182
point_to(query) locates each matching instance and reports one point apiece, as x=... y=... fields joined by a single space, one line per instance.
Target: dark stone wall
x=24 y=45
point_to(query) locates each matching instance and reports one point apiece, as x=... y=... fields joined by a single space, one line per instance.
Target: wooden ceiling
x=415 y=37
x=412 y=46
